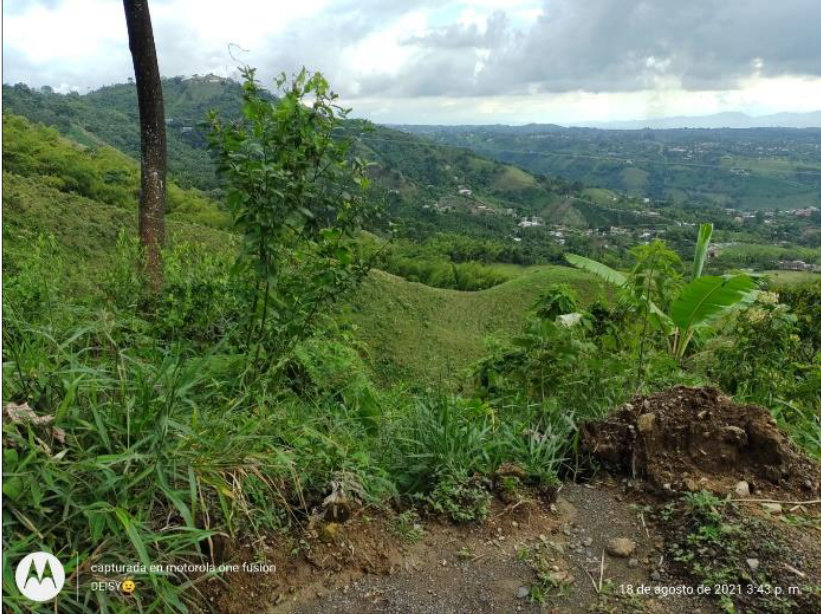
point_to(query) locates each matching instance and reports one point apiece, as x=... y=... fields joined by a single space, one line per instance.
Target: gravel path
x=456 y=571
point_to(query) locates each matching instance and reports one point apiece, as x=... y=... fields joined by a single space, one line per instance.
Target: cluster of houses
x=798 y=265
x=743 y=216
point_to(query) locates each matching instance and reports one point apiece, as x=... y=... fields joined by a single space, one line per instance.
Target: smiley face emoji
x=128 y=586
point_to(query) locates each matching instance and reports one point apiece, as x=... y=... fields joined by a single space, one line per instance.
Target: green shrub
x=557 y=300
x=460 y=497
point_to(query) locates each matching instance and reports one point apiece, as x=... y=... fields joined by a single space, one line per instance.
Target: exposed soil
x=690 y=439
x=472 y=568
x=533 y=556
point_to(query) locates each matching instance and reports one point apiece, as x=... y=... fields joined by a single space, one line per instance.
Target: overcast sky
x=452 y=61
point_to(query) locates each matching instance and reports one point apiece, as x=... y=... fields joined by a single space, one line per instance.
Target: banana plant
x=701 y=301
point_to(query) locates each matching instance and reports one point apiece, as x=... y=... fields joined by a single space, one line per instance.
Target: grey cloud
x=590 y=45
x=620 y=45
x=458 y=36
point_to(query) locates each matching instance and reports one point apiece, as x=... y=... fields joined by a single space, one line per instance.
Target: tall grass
x=149 y=443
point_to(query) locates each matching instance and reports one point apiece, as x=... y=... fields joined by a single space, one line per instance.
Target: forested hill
x=110 y=116
x=419 y=179
x=754 y=168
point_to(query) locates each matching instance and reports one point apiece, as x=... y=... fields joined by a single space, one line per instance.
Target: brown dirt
x=467 y=568
x=696 y=438
x=682 y=440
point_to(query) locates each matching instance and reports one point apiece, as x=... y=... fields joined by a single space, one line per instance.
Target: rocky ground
x=687 y=490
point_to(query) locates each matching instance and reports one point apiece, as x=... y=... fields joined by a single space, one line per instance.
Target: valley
x=407 y=385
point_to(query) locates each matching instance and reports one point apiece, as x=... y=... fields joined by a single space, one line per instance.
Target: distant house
x=531 y=222
x=481 y=210
x=795 y=265
x=465 y=192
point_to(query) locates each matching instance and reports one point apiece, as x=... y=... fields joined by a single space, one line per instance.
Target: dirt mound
x=697 y=438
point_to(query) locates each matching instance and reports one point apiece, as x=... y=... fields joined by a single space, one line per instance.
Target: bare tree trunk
x=152 y=136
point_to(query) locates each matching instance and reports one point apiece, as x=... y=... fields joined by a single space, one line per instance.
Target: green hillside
x=423 y=334
x=756 y=168
x=109 y=116
x=410 y=172
x=97 y=172
x=84 y=196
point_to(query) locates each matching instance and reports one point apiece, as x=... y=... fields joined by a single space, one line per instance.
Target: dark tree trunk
x=152 y=135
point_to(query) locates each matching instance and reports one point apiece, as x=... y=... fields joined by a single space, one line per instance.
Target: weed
x=461 y=498
x=407 y=526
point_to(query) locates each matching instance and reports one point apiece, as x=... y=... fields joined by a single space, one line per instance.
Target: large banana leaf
x=705 y=232
x=597 y=268
x=706 y=298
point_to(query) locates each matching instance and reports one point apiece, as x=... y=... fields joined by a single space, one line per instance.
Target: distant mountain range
x=718 y=120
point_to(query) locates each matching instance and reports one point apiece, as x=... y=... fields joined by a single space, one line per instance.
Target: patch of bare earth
x=527 y=557
x=743 y=516
x=627 y=542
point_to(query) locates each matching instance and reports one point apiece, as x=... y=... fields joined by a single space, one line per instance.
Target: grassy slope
x=789 y=278
x=84 y=197
x=85 y=230
x=413 y=331
x=423 y=334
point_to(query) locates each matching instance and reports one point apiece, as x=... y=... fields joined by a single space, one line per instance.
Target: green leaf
x=133 y=534
x=12 y=487
x=597 y=268
x=662 y=319
x=705 y=232
x=707 y=298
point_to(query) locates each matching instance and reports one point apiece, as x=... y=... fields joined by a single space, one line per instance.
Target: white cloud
x=455 y=61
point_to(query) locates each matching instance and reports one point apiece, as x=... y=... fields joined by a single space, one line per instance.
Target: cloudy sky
x=455 y=61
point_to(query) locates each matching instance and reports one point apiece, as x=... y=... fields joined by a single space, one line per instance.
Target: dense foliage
x=134 y=421
x=99 y=172
x=296 y=195
x=758 y=168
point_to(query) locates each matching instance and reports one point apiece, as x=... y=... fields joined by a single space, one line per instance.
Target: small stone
x=734 y=435
x=655 y=576
x=772 y=508
x=690 y=485
x=329 y=532
x=588 y=541
x=621 y=547
x=753 y=564
x=522 y=592
x=514 y=524
x=646 y=422
x=742 y=489
x=633 y=563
